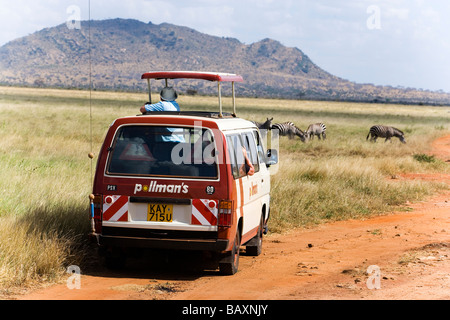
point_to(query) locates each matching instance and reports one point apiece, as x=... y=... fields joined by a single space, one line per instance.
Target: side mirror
x=272 y=157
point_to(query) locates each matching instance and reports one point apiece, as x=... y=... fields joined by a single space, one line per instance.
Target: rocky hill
x=123 y=49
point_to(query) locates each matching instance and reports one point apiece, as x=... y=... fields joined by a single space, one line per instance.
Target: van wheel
x=231 y=265
x=254 y=247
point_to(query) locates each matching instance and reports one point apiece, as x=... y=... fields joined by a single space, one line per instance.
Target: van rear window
x=164 y=152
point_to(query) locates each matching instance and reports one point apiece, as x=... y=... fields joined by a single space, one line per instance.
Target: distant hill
x=123 y=49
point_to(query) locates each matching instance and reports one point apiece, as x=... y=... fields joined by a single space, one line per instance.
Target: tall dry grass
x=311 y=191
x=46 y=176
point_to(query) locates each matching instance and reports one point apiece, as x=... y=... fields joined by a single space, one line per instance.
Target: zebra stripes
x=319 y=129
x=289 y=129
x=316 y=129
x=385 y=132
x=264 y=125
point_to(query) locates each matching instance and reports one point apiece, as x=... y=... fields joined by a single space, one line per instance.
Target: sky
x=402 y=43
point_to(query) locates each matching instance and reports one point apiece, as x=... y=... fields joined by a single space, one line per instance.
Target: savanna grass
x=46 y=176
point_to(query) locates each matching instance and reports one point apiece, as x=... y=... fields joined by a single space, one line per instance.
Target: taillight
x=225 y=213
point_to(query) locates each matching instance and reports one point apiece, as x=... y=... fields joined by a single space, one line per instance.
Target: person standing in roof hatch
x=168 y=96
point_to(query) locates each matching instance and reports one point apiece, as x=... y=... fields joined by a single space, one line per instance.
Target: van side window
x=260 y=147
x=234 y=143
x=250 y=146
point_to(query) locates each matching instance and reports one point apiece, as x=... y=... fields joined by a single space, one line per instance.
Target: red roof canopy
x=210 y=76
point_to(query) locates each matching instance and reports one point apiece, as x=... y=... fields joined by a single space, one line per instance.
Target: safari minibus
x=181 y=181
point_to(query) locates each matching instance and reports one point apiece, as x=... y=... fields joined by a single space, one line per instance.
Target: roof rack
x=210 y=76
x=205 y=114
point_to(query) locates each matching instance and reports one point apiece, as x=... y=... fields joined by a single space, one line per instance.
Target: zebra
x=289 y=129
x=264 y=125
x=317 y=129
x=385 y=132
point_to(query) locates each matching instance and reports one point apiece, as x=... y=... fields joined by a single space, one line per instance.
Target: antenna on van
x=91 y=153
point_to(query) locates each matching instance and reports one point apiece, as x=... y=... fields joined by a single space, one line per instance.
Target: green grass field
x=46 y=175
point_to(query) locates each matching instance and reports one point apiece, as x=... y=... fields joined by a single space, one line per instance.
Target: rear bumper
x=159 y=239
x=170 y=244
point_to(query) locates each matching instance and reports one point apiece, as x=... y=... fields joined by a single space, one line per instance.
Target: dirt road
x=409 y=251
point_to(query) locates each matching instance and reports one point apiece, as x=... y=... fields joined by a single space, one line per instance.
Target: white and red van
x=178 y=180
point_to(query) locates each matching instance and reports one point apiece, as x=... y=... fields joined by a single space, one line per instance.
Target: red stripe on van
x=114 y=208
x=195 y=222
x=206 y=212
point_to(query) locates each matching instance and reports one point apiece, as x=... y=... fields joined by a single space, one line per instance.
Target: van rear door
x=165 y=177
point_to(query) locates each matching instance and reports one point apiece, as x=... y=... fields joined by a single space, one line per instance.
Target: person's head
x=168 y=94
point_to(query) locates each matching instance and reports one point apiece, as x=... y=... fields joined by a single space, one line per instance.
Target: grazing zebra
x=317 y=129
x=264 y=125
x=385 y=132
x=289 y=129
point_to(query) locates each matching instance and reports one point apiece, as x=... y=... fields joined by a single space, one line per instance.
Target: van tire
x=254 y=247
x=231 y=266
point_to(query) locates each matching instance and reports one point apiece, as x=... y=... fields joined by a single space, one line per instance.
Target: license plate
x=158 y=212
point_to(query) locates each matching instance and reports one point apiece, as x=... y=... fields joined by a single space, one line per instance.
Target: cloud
x=396 y=13
x=20 y=18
